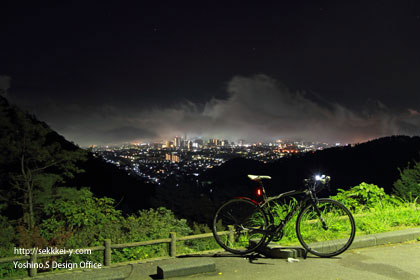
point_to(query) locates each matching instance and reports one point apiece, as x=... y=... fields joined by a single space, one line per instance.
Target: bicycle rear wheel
x=329 y=239
x=236 y=223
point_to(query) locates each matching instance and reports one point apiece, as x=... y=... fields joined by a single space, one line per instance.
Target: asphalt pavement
x=388 y=261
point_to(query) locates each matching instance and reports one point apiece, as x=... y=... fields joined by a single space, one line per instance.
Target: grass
x=388 y=218
x=381 y=215
x=369 y=221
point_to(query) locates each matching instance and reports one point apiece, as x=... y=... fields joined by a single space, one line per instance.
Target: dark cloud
x=257 y=108
x=260 y=108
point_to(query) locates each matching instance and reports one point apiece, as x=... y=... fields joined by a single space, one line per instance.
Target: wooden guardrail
x=108 y=246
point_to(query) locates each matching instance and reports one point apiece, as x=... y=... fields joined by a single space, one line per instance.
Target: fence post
x=33 y=267
x=107 y=252
x=172 y=245
x=231 y=234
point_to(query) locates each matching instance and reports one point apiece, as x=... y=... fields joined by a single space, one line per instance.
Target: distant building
x=168 y=144
x=199 y=143
x=177 y=141
x=173 y=157
x=168 y=157
x=214 y=142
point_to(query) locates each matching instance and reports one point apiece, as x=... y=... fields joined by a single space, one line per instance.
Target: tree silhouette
x=32 y=161
x=408 y=186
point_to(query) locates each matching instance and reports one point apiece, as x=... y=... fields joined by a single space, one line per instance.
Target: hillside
x=375 y=162
x=102 y=178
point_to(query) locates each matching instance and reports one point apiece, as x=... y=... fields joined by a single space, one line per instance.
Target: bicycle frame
x=309 y=196
x=263 y=221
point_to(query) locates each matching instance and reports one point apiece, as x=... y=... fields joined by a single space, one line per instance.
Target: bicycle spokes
x=244 y=221
x=327 y=231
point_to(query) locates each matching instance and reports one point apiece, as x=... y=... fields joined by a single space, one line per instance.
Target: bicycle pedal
x=277 y=236
x=276 y=239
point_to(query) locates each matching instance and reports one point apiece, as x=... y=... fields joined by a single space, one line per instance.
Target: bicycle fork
x=314 y=203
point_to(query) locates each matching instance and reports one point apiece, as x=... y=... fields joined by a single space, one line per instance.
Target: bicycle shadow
x=252 y=257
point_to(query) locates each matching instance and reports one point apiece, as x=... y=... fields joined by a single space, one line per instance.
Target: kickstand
x=253 y=257
x=305 y=253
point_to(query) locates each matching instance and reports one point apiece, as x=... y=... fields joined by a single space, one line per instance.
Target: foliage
x=149 y=225
x=154 y=224
x=365 y=196
x=78 y=211
x=375 y=211
x=7 y=233
x=408 y=186
x=91 y=220
x=32 y=162
x=198 y=245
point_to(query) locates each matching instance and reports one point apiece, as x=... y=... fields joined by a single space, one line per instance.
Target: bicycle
x=324 y=227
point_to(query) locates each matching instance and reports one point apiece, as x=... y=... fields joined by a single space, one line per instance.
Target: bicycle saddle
x=258 y=177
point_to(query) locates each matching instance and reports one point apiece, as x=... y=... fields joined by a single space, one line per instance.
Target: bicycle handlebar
x=317 y=183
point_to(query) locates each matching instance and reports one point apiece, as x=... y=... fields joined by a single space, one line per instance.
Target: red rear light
x=259 y=192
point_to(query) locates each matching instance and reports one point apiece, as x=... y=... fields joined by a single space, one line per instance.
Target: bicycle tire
x=326 y=242
x=247 y=221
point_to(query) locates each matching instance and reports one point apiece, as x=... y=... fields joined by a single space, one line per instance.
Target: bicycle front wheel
x=327 y=232
x=236 y=223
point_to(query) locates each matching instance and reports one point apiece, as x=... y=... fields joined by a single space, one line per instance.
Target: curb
x=184 y=268
x=385 y=238
x=274 y=250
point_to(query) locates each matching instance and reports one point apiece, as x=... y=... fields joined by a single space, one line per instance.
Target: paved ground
x=400 y=261
x=396 y=261
x=391 y=261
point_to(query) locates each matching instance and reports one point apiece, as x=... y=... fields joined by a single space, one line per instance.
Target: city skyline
x=200 y=142
x=157 y=162
x=305 y=70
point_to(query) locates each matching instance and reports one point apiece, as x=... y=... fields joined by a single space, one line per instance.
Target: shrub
x=408 y=186
x=75 y=211
x=7 y=234
x=365 y=196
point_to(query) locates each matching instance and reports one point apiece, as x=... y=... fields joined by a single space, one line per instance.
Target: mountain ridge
x=103 y=179
x=377 y=162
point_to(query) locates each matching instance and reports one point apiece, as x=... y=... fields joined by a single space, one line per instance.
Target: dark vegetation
x=104 y=179
x=52 y=193
x=44 y=201
x=378 y=162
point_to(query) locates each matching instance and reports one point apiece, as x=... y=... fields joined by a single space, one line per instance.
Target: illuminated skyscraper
x=199 y=143
x=225 y=143
x=174 y=157
x=177 y=141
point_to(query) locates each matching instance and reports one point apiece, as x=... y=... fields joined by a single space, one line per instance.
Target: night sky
x=104 y=72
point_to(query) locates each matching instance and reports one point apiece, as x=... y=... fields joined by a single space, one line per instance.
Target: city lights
x=180 y=157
